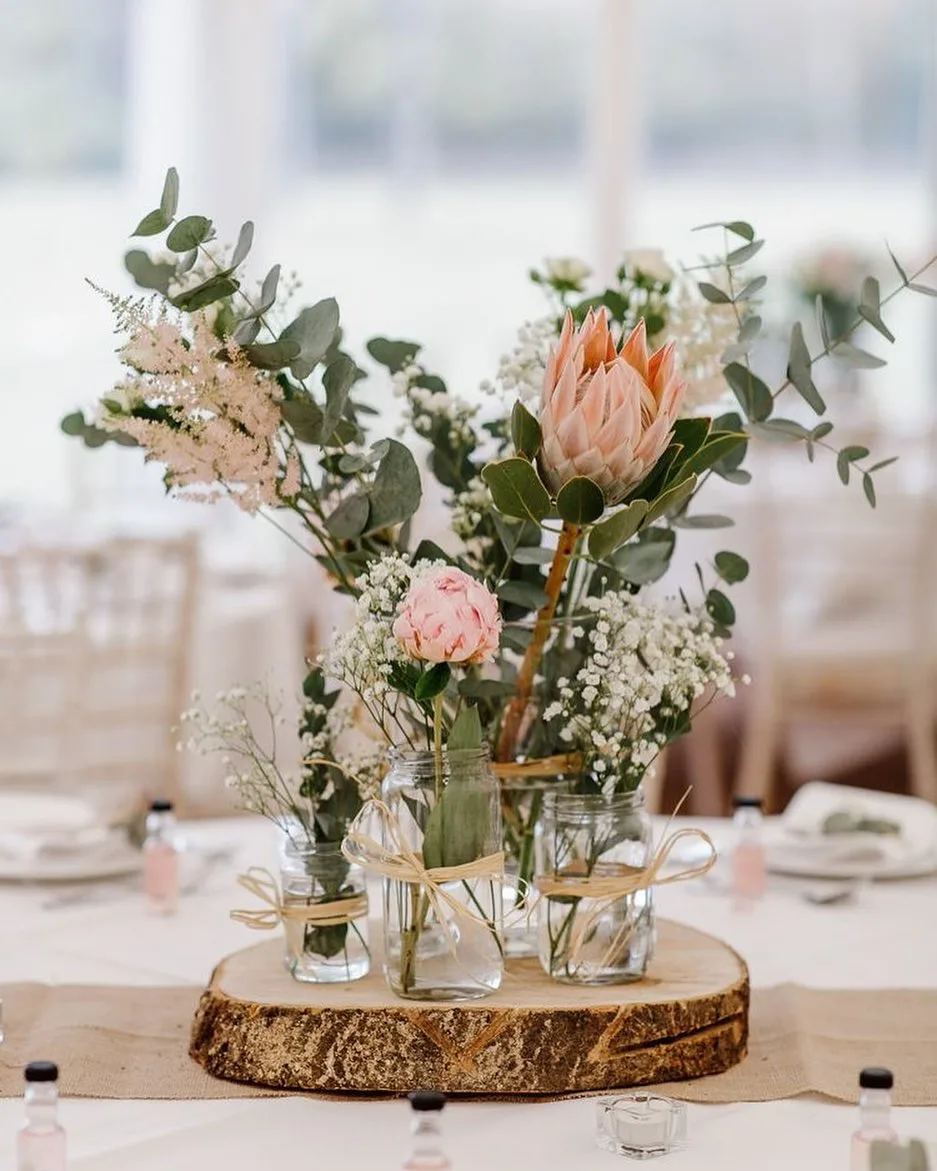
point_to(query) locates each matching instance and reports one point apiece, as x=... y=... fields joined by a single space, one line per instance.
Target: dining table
x=882 y=937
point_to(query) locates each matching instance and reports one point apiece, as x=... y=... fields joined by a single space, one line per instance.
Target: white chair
x=845 y=603
x=94 y=659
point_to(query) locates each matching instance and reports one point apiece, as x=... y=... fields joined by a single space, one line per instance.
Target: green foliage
x=338 y=379
x=154 y=223
x=276 y=355
x=466 y=731
x=516 y=489
x=580 y=501
x=753 y=394
x=646 y=559
x=523 y=593
x=457 y=829
x=314 y=329
x=731 y=567
x=720 y=609
x=671 y=501
x=737 y=227
x=349 y=519
x=397 y=490
x=189 y=233
x=798 y=370
x=147 y=273
x=525 y=432
x=169 y=199
x=616 y=529
x=215 y=288
x=243 y=246
x=395 y=355
x=852 y=356
x=779 y=431
x=432 y=682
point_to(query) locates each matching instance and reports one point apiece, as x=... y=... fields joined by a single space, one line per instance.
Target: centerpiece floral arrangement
x=522 y=676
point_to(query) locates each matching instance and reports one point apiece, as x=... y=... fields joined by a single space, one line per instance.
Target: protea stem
x=566 y=546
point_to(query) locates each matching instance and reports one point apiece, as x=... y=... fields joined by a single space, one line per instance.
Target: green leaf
x=719 y=608
x=465 y=735
x=169 y=200
x=751 y=327
x=152 y=224
x=347 y=521
x=883 y=463
x=486 y=688
x=731 y=567
x=395 y=355
x=870 y=307
x=214 y=289
x=430 y=551
x=533 y=555
x=338 y=379
x=516 y=489
x=522 y=593
x=433 y=681
x=397 y=491
x=271 y=355
x=868 y=487
x=189 y=233
x=611 y=533
x=754 y=396
x=738 y=227
x=822 y=322
x=671 y=500
x=525 y=432
x=734 y=475
x=147 y=273
x=580 y=501
x=516 y=638
x=713 y=293
x=268 y=290
x=247 y=330
x=779 y=431
x=647 y=559
x=243 y=245
x=720 y=446
x=842 y=466
x=854 y=452
x=754 y=286
x=691 y=434
x=821 y=430
x=457 y=828
x=703 y=521
x=186 y=261
x=894 y=260
x=925 y=289
x=302 y=414
x=746 y=252
x=799 y=370
x=858 y=359
x=315 y=330
x=73 y=424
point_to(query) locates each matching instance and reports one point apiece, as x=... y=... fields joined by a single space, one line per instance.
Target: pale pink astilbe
x=222 y=437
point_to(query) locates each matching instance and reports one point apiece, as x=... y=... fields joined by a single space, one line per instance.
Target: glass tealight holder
x=640 y=1125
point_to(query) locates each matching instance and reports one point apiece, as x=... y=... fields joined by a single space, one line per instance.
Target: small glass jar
x=161 y=859
x=593 y=938
x=40 y=1141
x=447 y=947
x=748 y=861
x=325 y=904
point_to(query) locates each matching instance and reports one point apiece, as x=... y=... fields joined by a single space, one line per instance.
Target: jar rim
x=414 y=756
x=588 y=802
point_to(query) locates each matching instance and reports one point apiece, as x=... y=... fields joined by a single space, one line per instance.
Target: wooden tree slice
x=689 y=1017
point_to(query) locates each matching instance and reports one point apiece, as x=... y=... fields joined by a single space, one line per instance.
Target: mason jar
x=443 y=941
x=325 y=912
x=584 y=843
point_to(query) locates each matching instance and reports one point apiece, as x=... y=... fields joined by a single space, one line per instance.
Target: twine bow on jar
x=263 y=886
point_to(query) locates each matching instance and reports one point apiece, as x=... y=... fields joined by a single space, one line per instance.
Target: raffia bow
x=263 y=886
x=402 y=864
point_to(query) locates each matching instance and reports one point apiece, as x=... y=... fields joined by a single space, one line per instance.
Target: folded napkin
x=40 y=824
x=799 y=838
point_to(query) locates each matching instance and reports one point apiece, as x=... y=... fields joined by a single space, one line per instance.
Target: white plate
x=43 y=814
x=113 y=859
x=875 y=871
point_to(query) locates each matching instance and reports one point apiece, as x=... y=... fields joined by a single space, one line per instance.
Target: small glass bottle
x=426 y=1153
x=875 y=1086
x=40 y=1143
x=161 y=859
x=748 y=865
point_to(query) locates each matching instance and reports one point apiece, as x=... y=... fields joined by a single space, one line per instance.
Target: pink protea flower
x=449 y=617
x=604 y=413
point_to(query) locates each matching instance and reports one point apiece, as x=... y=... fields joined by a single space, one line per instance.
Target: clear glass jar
x=450 y=947
x=320 y=888
x=40 y=1141
x=748 y=860
x=585 y=939
x=521 y=807
x=161 y=859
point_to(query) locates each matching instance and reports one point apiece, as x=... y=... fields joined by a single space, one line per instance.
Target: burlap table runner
x=118 y=1042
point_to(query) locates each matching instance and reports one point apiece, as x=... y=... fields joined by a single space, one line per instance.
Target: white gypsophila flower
x=645 y=667
x=567 y=269
x=469 y=507
x=702 y=332
x=426 y=409
x=521 y=372
x=649 y=261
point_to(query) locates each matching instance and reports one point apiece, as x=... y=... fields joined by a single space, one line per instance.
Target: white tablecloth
x=885 y=940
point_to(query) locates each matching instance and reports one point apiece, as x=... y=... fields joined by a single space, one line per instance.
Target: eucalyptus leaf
x=611 y=533
x=754 y=286
x=523 y=593
x=430 y=551
x=348 y=520
x=647 y=559
x=395 y=355
x=822 y=321
x=216 y=288
x=152 y=224
x=580 y=501
x=246 y=331
x=338 y=379
x=868 y=487
x=516 y=638
x=271 y=355
x=745 y=253
x=516 y=489
x=925 y=289
x=737 y=227
x=186 y=261
x=855 y=451
x=870 y=307
x=169 y=200
x=532 y=555
x=243 y=246
x=858 y=359
x=525 y=432
x=799 y=370
x=397 y=490
x=883 y=463
x=842 y=466
x=713 y=293
x=486 y=688
x=703 y=521
x=314 y=328
x=821 y=430
x=147 y=273
x=779 y=431
x=268 y=290
x=432 y=682
x=753 y=394
x=894 y=260
x=719 y=608
x=465 y=735
x=731 y=567
x=189 y=233
x=751 y=327
x=304 y=416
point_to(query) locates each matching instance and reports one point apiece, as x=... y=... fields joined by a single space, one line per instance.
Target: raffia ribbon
x=401 y=864
x=606 y=886
x=262 y=885
x=547 y=766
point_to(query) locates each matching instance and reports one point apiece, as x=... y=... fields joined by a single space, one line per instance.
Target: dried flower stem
x=566 y=546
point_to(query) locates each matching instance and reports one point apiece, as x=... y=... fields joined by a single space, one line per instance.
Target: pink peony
x=449 y=617
x=605 y=413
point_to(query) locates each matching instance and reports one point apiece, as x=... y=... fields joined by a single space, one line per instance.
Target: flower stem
x=566 y=546
x=437 y=742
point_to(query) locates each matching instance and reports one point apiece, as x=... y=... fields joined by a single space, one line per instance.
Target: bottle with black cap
x=40 y=1143
x=426 y=1153
x=875 y=1086
x=748 y=866
x=161 y=859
